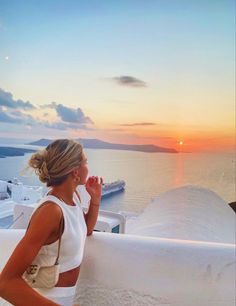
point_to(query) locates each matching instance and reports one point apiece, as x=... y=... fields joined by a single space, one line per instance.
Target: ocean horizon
x=146 y=174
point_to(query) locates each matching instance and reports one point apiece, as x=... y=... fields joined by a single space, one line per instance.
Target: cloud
x=6 y=99
x=67 y=126
x=138 y=124
x=25 y=113
x=71 y=115
x=8 y=118
x=129 y=81
x=51 y=105
x=16 y=117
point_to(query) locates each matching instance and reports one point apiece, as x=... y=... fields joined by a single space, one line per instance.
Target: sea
x=146 y=174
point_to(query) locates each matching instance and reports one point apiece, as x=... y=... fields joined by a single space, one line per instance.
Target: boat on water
x=109 y=188
x=179 y=251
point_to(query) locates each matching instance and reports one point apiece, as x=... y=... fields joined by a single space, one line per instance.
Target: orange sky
x=143 y=73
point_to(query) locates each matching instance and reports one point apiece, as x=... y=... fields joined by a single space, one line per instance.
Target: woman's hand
x=94 y=188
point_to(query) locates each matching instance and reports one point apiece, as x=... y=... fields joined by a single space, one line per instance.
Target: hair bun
x=44 y=170
x=39 y=164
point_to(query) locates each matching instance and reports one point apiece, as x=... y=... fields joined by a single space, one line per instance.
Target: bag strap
x=59 y=245
x=60 y=233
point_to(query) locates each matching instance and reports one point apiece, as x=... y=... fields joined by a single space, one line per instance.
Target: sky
x=135 y=72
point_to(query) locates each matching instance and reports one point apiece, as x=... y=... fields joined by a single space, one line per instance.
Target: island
x=99 y=144
x=10 y=151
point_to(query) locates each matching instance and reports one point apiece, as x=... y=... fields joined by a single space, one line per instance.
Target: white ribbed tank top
x=72 y=239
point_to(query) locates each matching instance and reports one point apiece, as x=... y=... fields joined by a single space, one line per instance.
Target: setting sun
x=181 y=143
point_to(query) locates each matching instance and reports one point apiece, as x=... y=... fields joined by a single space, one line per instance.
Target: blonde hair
x=56 y=161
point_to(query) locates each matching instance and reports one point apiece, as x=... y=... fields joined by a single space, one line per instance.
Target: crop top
x=72 y=239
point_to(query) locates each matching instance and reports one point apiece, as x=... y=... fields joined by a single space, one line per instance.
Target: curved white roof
x=189 y=212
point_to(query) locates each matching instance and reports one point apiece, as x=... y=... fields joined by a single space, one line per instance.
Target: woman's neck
x=63 y=193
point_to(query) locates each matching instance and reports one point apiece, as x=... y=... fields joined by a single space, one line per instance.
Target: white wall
x=136 y=270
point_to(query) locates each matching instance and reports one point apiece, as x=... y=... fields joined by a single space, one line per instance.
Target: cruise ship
x=109 y=188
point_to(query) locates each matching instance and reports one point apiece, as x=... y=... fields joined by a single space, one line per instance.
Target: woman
x=62 y=166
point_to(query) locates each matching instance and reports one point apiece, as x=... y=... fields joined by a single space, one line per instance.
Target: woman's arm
x=85 y=214
x=91 y=216
x=18 y=293
x=94 y=188
x=12 y=287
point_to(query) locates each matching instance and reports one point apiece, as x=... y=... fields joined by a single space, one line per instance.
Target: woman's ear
x=75 y=172
x=75 y=175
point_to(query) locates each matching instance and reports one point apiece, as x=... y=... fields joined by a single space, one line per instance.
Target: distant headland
x=99 y=144
x=9 y=151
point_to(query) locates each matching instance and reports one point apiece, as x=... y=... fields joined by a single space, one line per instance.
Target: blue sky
x=73 y=52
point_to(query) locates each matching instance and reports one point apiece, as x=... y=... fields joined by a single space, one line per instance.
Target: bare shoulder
x=48 y=210
x=44 y=222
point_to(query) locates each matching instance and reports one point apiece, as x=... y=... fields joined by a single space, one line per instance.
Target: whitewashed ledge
x=136 y=270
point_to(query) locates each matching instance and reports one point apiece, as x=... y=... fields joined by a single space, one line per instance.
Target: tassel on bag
x=38 y=276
